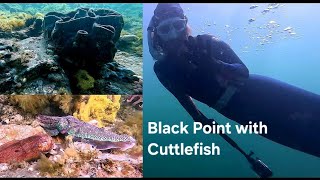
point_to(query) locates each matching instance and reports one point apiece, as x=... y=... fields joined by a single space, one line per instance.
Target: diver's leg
x=291 y=113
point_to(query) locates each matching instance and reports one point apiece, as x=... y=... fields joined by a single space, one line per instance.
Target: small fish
x=251 y=20
x=253 y=6
x=273 y=5
x=265 y=11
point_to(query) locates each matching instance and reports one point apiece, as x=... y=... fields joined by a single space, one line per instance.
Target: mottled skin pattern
x=82 y=130
x=26 y=149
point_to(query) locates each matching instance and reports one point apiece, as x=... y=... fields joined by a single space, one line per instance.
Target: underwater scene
x=75 y=48
x=71 y=136
x=275 y=41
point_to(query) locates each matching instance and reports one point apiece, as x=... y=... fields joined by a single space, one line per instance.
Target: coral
x=33 y=104
x=103 y=108
x=85 y=81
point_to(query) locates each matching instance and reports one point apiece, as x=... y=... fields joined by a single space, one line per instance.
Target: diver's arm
x=183 y=98
x=230 y=63
x=224 y=59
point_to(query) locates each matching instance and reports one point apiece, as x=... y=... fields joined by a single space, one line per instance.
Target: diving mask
x=171 y=28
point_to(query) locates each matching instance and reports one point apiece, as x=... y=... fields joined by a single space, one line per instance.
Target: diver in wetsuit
x=208 y=70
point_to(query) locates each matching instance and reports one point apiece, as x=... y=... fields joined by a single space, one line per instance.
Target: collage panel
x=71 y=90
x=71 y=48
x=231 y=90
x=71 y=136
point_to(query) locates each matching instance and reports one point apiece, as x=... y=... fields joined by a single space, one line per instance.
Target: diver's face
x=173 y=29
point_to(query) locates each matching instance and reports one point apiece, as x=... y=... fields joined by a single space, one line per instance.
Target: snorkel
x=154 y=49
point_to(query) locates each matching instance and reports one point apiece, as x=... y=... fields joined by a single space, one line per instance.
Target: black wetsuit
x=291 y=114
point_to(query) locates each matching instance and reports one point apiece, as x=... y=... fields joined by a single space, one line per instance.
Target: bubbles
x=205 y=25
x=287 y=28
x=260 y=30
x=263 y=29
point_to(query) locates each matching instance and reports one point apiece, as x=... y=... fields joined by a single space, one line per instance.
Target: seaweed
x=34 y=104
x=132 y=126
x=46 y=166
x=65 y=102
x=13 y=21
x=85 y=81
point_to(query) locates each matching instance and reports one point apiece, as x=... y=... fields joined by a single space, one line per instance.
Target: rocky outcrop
x=84 y=38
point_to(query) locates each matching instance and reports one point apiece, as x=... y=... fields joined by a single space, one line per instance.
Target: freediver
x=208 y=70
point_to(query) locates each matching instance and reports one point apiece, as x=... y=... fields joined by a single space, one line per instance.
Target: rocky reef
x=27 y=68
x=79 y=52
x=85 y=38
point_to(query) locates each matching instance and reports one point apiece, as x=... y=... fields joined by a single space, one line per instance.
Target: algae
x=85 y=81
x=33 y=104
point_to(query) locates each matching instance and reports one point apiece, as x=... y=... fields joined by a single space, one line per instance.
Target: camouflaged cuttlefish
x=81 y=131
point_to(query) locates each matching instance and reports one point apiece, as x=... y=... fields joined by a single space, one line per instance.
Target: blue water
x=132 y=13
x=293 y=58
